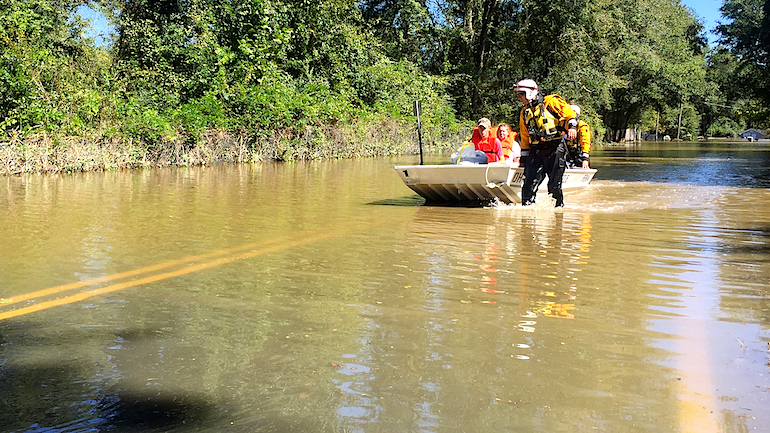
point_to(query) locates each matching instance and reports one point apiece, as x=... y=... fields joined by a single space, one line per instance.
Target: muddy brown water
x=325 y=297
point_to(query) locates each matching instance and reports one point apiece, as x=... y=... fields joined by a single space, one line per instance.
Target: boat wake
x=621 y=197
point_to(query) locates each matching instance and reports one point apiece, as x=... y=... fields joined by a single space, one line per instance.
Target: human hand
x=585 y=163
x=572 y=133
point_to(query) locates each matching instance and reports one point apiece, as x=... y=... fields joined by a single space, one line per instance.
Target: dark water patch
x=144 y=410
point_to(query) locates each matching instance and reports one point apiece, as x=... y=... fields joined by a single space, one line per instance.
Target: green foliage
x=392 y=87
x=269 y=65
x=291 y=69
x=746 y=31
x=180 y=69
x=195 y=117
x=725 y=127
x=688 y=128
x=668 y=121
x=50 y=77
x=146 y=125
x=744 y=73
x=754 y=112
x=658 y=62
x=327 y=42
x=615 y=58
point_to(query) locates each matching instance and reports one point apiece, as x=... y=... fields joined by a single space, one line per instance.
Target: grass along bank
x=45 y=152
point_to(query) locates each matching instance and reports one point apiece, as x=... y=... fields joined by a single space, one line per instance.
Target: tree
x=171 y=52
x=747 y=36
x=613 y=57
x=50 y=75
x=406 y=28
x=660 y=59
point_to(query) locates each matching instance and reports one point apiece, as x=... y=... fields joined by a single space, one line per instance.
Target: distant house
x=753 y=134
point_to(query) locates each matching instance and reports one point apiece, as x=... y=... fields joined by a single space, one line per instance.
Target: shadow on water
x=421 y=202
x=403 y=201
x=141 y=411
x=124 y=410
x=53 y=387
x=416 y=200
x=752 y=241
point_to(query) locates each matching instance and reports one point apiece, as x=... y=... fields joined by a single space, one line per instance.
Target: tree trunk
x=488 y=8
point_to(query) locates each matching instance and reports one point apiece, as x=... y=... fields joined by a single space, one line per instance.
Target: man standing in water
x=543 y=140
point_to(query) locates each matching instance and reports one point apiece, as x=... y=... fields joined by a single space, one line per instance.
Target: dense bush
x=724 y=127
x=282 y=79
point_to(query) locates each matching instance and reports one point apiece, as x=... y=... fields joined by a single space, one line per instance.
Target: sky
x=99 y=26
x=708 y=12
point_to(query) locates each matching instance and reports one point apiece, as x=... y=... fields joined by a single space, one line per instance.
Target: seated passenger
x=511 y=148
x=485 y=141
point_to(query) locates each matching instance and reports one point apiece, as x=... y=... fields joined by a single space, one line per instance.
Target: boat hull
x=469 y=184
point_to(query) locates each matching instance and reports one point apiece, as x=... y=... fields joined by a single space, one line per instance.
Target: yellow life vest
x=542 y=125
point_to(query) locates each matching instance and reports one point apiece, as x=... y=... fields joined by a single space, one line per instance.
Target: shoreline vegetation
x=44 y=153
x=208 y=81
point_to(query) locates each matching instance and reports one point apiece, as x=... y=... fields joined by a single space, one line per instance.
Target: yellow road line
x=152 y=268
x=120 y=286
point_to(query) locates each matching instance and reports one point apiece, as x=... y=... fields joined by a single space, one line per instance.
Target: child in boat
x=511 y=148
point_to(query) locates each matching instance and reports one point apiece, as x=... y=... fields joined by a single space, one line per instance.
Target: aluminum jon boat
x=479 y=184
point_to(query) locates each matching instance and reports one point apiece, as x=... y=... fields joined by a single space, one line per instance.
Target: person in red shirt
x=485 y=141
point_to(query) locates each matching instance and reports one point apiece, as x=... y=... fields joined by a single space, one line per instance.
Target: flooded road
x=325 y=297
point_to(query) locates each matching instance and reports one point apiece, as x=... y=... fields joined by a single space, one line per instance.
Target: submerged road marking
x=120 y=286
x=144 y=270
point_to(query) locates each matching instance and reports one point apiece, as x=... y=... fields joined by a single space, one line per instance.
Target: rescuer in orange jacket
x=543 y=142
x=484 y=140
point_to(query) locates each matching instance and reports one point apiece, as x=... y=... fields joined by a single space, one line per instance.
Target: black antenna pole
x=417 y=110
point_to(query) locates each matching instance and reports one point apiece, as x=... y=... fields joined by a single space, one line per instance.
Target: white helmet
x=576 y=108
x=529 y=87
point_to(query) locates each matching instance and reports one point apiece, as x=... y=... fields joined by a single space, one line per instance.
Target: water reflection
x=476 y=310
x=745 y=165
x=693 y=279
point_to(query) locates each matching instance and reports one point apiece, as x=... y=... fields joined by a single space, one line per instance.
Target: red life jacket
x=487 y=145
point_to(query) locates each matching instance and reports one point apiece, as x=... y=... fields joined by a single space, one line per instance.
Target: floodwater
x=325 y=297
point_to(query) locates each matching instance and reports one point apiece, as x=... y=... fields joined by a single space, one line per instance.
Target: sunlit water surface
x=325 y=297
